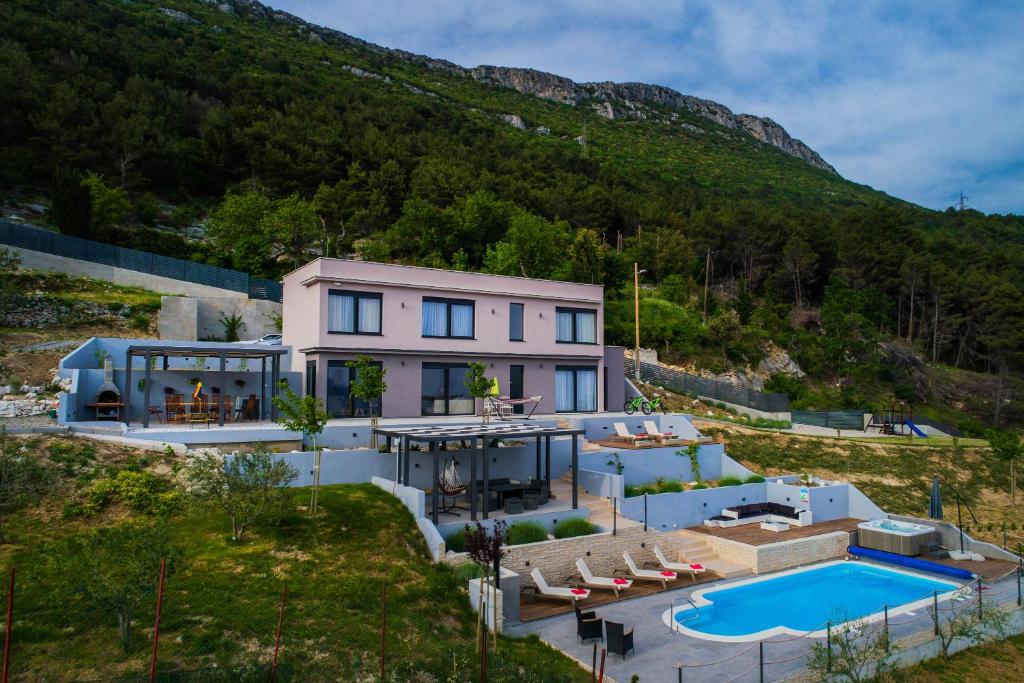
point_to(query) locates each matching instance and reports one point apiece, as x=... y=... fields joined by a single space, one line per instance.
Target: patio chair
x=589 y=579
x=450 y=486
x=228 y=401
x=694 y=568
x=623 y=433
x=658 y=435
x=571 y=594
x=588 y=625
x=620 y=641
x=199 y=413
x=174 y=410
x=662 y=575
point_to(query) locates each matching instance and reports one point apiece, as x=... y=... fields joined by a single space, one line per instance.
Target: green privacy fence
x=834 y=419
x=37 y=239
x=685 y=383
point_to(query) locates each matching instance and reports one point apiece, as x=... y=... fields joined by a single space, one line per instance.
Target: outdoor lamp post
x=636 y=318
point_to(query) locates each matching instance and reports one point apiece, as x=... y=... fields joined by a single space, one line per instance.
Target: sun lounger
x=589 y=579
x=623 y=433
x=658 y=435
x=572 y=594
x=662 y=575
x=694 y=568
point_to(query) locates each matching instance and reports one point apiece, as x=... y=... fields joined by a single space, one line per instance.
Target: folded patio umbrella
x=935 y=504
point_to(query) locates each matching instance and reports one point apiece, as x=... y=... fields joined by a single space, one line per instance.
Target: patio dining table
x=507 y=490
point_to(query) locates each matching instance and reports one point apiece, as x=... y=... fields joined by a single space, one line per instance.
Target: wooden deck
x=533 y=606
x=753 y=534
x=990 y=570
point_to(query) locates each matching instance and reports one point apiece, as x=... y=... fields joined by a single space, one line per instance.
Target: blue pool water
x=806 y=600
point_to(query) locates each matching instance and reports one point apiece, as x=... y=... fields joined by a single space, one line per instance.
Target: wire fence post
x=935 y=610
x=593 y=664
x=886 y=607
x=156 y=623
x=604 y=653
x=980 y=613
x=10 y=623
x=679 y=670
x=615 y=515
x=384 y=625
x=760 y=659
x=645 y=512
x=277 y=636
x=1019 y=601
x=828 y=645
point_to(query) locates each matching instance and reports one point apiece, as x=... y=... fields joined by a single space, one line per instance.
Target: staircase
x=693 y=549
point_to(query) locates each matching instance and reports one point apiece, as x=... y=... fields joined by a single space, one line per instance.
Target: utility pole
x=636 y=319
x=961 y=203
x=707 y=275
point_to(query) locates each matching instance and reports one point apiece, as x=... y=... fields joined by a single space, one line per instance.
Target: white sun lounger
x=589 y=579
x=573 y=594
x=652 y=431
x=662 y=575
x=694 y=568
x=623 y=433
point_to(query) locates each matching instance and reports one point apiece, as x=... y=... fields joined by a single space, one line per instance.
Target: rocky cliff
x=610 y=100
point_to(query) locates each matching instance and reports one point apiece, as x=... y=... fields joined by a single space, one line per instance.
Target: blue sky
x=919 y=99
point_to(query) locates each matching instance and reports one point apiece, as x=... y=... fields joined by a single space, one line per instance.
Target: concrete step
x=726 y=569
x=94 y=429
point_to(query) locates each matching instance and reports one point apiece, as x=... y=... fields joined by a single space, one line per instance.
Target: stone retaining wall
x=774 y=557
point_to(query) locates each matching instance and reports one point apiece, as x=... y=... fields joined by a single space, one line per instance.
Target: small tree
x=368 y=385
x=249 y=487
x=22 y=477
x=304 y=414
x=232 y=324
x=1007 y=447
x=477 y=383
x=967 y=622
x=113 y=569
x=487 y=549
x=859 y=652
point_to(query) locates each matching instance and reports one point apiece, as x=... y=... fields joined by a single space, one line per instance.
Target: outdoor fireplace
x=108 y=397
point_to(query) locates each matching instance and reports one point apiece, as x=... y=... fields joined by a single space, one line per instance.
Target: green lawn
x=221 y=606
x=997 y=662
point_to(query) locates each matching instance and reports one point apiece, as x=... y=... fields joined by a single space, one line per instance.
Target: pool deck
x=753 y=534
x=659 y=652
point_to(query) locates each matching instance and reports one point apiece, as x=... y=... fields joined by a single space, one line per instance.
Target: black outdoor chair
x=588 y=625
x=620 y=641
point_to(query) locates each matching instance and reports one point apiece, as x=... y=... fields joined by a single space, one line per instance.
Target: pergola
x=439 y=434
x=219 y=351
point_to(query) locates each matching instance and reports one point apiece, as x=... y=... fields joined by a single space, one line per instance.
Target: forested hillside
x=232 y=134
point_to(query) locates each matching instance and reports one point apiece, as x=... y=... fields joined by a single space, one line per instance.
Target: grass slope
x=221 y=606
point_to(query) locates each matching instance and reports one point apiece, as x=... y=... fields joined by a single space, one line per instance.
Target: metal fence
x=834 y=419
x=685 y=383
x=37 y=239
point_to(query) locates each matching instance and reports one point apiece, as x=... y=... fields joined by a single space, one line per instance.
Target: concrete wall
x=615 y=389
x=547 y=519
x=36 y=260
x=194 y=318
x=773 y=557
x=642 y=466
x=604 y=484
x=667 y=511
x=603 y=427
x=342 y=467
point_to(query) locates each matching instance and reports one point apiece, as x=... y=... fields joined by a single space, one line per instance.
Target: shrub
x=729 y=480
x=670 y=486
x=697 y=485
x=754 y=479
x=140 y=322
x=639 y=489
x=142 y=492
x=525 y=532
x=457 y=541
x=574 y=526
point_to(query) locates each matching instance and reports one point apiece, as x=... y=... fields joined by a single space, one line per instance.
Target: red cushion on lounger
x=640 y=435
x=578 y=591
x=620 y=582
x=668 y=573
x=696 y=566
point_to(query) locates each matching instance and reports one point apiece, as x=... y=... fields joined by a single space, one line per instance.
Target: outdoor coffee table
x=775 y=526
x=506 y=490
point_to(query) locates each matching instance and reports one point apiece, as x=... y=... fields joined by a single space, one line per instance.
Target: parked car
x=265 y=340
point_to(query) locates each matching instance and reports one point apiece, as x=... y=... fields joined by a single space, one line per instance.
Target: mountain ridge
x=626 y=100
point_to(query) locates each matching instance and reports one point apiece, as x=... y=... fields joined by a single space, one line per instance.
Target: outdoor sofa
x=754 y=513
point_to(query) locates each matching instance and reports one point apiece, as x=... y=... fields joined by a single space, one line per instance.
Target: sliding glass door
x=444 y=390
x=575 y=389
x=340 y=401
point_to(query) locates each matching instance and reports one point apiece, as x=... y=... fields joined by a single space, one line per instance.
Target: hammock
x=450 y=485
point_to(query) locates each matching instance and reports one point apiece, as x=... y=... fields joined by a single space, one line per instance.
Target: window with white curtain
x=451 y=318
x=353 y=312
x=575 y=389
x=575 y=326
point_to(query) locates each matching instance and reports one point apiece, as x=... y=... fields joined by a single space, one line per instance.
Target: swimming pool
x=802 y=600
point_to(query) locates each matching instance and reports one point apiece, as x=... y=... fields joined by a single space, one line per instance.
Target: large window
x=575 y=326
x=340 y=401
x=444 y=390
x=450 y=318
x=311 y=378
x=575 y=389
x=353 y=312
x=515 y=322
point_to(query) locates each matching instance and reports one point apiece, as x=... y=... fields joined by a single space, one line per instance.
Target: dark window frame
x=311 y=378
x=343 y=363
x=447 y=395
x=575 y=407
x=575 y=331
x=448 y=317
x=357 y=295
x=522 y=321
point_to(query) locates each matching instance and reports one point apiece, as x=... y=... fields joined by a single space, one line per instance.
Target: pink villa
x=539 y=338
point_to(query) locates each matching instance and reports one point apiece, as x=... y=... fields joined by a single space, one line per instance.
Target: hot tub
x=902 y=538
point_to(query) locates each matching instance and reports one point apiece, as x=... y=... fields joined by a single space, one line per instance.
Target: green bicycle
x=641 y=403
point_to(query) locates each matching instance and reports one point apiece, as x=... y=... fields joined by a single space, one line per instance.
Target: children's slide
x=914 y=428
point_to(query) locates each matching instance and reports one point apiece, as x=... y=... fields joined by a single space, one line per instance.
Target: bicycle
x=647 y=407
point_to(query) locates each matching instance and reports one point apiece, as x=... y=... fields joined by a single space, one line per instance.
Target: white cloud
x=920 y=100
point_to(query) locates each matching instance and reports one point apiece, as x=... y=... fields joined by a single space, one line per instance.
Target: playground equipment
x=897 y=420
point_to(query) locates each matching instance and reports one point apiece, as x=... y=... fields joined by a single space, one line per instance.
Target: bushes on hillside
x=574 y=526
x=729 y=480
x=754 y=479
